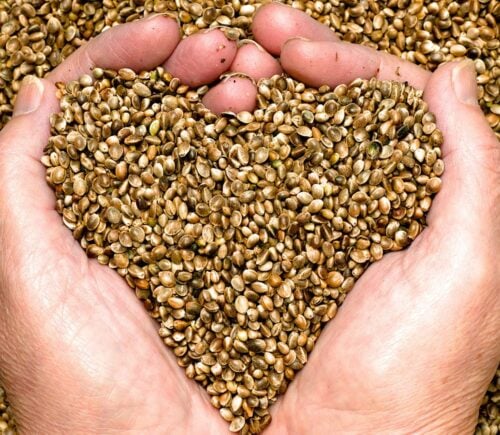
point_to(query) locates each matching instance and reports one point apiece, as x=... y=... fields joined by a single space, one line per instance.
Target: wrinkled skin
x=411 y=350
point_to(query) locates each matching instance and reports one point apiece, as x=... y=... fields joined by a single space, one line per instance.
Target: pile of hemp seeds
x=242 y=233
x=37 y=35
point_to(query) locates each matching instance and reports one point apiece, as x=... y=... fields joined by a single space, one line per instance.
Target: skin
x=213 y=47
x=411 y=350
x=275 y=24
x=255 y=62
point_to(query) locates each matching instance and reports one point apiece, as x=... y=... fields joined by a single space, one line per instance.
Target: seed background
x=37 y=35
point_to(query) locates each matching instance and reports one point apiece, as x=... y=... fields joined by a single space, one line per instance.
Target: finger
x=202 y=58
x=333 y=63
x=252 y=60
x=275 y=23
x=22 y=142
x=234 y=94
x=470 y=191
x=140 y=45
x=35 y=101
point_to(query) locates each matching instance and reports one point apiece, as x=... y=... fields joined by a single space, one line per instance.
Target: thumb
x=29 y=97
x=22 y=142
x=29 y=129
x=470 y=194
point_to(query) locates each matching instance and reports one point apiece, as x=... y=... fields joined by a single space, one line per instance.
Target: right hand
x=78 y=352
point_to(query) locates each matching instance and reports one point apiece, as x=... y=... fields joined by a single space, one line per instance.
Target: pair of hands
x=411 y=350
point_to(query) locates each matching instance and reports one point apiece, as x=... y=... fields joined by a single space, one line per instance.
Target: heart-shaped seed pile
x=242 y=233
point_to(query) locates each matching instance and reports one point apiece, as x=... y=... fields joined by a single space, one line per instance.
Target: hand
x=78 y=352
x=73 y=337
x=417 y=341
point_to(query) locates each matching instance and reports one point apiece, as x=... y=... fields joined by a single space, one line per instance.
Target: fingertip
x=168 y=15
x=441 y=76
x=29 y=97
x=146 y=43
x=165 y=31
x=201 y=58
x=470 y=149
x=275 y=23
x=35 y=102
x=254 y=61
x=234 y=94
x=445 y=81
x=456 y=81
x=34 y=95
x=463 y=78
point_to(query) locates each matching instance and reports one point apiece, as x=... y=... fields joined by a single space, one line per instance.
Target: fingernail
x=164 y=15
x=155 y=15
x=29 y=97
x=243 y=42
x=296 y=38
x=229 y=75
x=463 y=78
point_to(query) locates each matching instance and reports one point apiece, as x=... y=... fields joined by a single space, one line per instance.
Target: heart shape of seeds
x=242 y=233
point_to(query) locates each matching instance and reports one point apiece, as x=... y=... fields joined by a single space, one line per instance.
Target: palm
x=111 y=320
x=93 y=338
x=393 y=342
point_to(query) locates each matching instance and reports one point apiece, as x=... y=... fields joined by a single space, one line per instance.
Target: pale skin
x=411 y=350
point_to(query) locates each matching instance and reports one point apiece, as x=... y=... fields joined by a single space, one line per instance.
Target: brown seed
x=238 y=283
x=167 y=279
x=80 y=186
x=127 y=74
x=274 y=280
x=237 y=424
x=141 y=89
x=433 y=185
x=241 y=304
x=175 y=303
x=113 y=215
x=334 y=279
x=58 y=175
